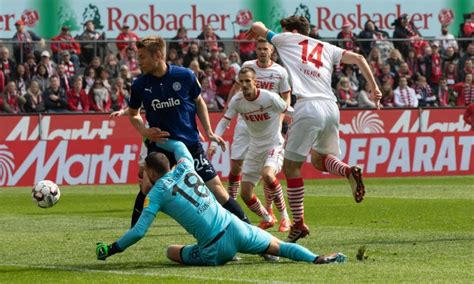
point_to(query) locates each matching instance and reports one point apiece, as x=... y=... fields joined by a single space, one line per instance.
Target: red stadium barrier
x=92 y=149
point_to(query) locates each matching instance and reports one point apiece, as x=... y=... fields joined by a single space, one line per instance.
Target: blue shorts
x=237 y=237
x=202 y=165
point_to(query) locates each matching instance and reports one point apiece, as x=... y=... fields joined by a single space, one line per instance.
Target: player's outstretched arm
x=152 y=133
x=201 y=110
x=350 y=57
x=220 y=130
x=118 y=113
x=258 y=30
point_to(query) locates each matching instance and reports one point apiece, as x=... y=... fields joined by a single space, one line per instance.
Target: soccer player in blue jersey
x=181 y=194
x=171 y=98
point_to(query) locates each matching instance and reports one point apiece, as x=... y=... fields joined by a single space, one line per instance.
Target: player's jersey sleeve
x=335 y=53
x=151 y=207
x=195 y=89
x=284 y=84
x=136 y=94
x=279 y=105
x=232 y=109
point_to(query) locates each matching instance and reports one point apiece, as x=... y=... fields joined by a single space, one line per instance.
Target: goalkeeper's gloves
x=103 y=251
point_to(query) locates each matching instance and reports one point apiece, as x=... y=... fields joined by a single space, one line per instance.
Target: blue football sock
x=296 y=252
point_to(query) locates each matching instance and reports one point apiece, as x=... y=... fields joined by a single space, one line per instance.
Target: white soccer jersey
x=261 y=115
x=273 y=78
x=309 y=62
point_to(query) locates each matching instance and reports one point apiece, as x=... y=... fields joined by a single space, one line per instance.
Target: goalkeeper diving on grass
x=181 y=194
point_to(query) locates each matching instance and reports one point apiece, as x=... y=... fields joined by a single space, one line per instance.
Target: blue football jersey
x=169 y=102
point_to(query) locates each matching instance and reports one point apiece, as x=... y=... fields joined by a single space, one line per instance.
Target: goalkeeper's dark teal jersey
x=182 y=195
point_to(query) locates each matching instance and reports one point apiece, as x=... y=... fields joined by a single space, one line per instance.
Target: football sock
x=278 y=197
x=138 y=207
x=296 y=252
x=256 y=206
x=234 y=185
x=233 y=207
x=268 y=196
x=335 y=166
x=295 y=198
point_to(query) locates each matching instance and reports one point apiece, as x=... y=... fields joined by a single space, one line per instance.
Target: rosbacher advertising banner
x=164 y=17
x=92 y=149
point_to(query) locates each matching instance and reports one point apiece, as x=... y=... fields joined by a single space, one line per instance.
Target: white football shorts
x=255 y=161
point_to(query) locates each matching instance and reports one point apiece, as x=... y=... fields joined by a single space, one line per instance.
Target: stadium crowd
x=87 y=74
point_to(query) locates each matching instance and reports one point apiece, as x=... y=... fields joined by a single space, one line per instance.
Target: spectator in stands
x=197 y=70
x=465 y=91
x=50 y=65
x=70 y=67
x=42 y=77
x=30 y=64
x=77 y=99
x=180 y=42
x=2 y=81
x=446 y=96
x=469 y=116
x=126 y=39
x=446 y=40
x=235 y=61
x=395 y=59
x=215 y=58
x=21 y=79
x=413 y=61
x=34 y=98
x=209 y=39
x=387 y=95
x=375 y=60
x=468 y=28
x=246 y=47
x=388 y=76
x=65 y=42
x=371 y=32
x=364 y=96
x=211 y=76
x=131 y=62
x=89 y=45
x=468 y=55
x=111 y=65
x=96 y=64
x=173 y=57
x=425 y=95
x=345 y=95
x=194 y=54
x=466 y=70
x=451 y=74
x=348 y=39
x=225 y=79
x=404 y=71
x=120 y=95
x=449 y=56
x=7 y=65
x=405 y=29
x=24 y=42
x=64 y=79
x=54 y=97
x=89 y=79
x=353 y=77
x=104 y=76
x=99 y=97
x=209 y=95
x=126 y=76
x=403 y=95
x=12 y=101
x=313 y=32
x=431 y=65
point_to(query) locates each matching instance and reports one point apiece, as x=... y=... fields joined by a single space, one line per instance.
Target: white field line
x=155 y=274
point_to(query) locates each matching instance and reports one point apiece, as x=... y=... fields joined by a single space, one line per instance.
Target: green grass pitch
x=413 y=230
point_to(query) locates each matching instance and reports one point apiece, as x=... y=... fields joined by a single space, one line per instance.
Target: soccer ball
x=45 y=193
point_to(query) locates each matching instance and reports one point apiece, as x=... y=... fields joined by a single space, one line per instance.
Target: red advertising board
x=93 y=149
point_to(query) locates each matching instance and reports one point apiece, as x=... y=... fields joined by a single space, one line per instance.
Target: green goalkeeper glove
x=103 y=251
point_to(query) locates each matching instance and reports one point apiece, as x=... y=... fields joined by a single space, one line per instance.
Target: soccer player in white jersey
x=270 y=76
x=315 y=127
x=262 y=112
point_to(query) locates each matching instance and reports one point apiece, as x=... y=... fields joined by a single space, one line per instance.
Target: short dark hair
x=244 y=70
x=298 y=23
x=158 y=162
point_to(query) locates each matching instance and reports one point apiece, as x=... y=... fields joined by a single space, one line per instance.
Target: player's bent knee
x=236 y=167
x=174 y=253
x=317 y=160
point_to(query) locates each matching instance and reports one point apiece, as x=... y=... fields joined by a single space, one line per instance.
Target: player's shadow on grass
x=413 y=241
